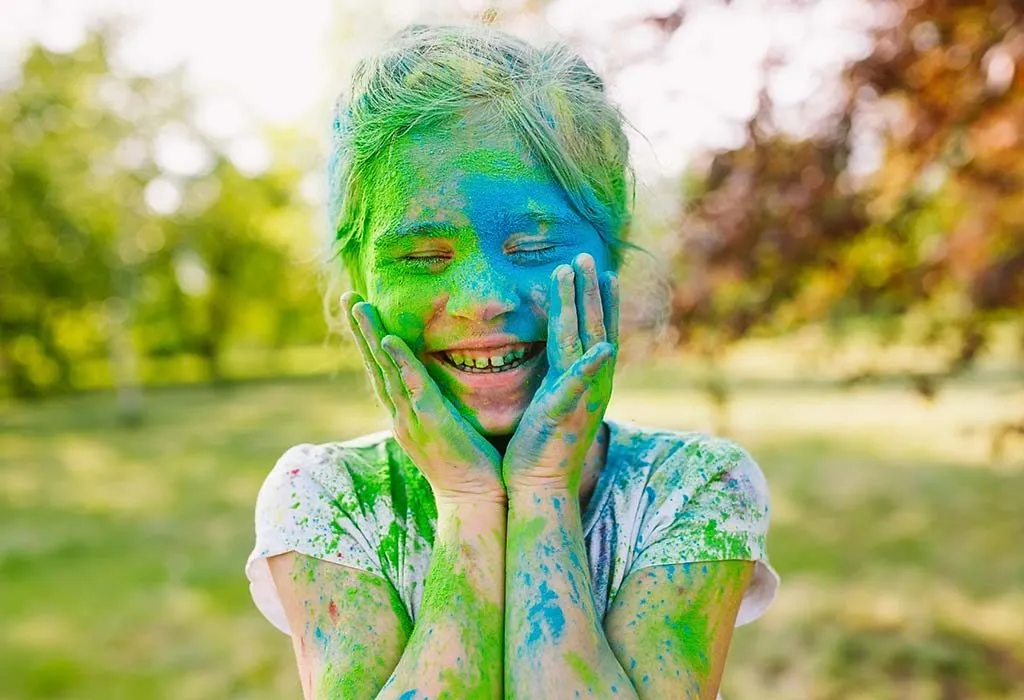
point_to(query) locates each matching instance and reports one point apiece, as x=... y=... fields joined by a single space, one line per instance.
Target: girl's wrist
x=527 y=486
x=467 y=502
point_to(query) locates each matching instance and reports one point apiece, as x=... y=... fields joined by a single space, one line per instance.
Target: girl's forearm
x=553 y=638
x=455 y=650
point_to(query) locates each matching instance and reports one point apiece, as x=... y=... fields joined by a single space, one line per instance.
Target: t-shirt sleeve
x=709 y=502
x=300 y=509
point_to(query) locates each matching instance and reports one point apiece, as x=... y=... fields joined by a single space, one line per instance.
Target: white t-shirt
x=663 y=497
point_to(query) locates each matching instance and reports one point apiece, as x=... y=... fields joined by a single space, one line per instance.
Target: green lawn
x=900 y=543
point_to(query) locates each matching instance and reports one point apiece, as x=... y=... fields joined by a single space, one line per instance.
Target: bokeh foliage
x=93 y=278
x=929 y=246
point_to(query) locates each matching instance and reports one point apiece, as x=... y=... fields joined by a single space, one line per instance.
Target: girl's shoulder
x=683 y=461
x=367 y=476
x=684 y=497
x=356 y=468
x=356 y=503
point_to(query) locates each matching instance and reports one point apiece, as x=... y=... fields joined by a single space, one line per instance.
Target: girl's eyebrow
x=522 y=219
x=442 y=229
x=426 y=229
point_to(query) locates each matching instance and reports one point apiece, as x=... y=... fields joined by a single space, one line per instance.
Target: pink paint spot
x=294 y=472
x=332 y=610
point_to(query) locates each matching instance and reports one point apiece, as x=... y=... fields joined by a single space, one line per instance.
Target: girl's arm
x=455 y=650
x=553 y=636
x=670 y=626
x=666 y=635
x=352 y=636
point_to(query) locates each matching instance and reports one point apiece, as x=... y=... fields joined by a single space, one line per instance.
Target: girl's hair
x=432 y=75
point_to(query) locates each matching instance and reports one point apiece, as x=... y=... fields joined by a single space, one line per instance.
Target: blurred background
x=833 y=196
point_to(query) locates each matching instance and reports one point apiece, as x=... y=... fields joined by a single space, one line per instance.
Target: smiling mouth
x=496 y=362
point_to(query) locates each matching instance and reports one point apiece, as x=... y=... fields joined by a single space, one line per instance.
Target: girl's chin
x=493 y=424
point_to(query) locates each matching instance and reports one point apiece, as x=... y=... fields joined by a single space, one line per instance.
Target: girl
x=503 y=538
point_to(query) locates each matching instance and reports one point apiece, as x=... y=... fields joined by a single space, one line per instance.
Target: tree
x=58 y=213
x=107 y=251
x=783 y=232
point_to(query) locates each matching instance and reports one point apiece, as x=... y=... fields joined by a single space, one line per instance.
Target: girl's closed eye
x=426 y=259
x=537 y=252
x=541 y=249
x=428 y=256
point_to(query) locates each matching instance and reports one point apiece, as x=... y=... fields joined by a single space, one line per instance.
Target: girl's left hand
x=549 y=446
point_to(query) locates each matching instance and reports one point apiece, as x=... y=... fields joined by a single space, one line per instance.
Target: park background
x=832 y=195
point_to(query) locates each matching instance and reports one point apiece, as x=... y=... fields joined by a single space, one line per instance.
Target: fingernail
x=358 y=314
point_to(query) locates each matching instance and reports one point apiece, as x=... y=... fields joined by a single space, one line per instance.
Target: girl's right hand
x=459 y=463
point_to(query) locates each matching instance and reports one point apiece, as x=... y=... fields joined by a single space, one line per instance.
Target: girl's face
x=466 y=229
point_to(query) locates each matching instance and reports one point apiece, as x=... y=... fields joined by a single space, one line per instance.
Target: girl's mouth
x=511 y=379
x=493 y=361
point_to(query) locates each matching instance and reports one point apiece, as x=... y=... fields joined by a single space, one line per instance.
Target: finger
x=393 y=377
x=348 y=303
x=564 y=346
x=348 y=300
x=366 y=340
x=610 y=306
x=409 y=370
x=572 y=386
x=588 y=302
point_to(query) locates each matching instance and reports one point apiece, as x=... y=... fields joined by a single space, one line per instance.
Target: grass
x=897 y=537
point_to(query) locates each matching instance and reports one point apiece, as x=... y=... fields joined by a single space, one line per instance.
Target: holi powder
x=353 y=655
x=546 y=612
x=468 y=231
x=448 y=588
x=583 y=670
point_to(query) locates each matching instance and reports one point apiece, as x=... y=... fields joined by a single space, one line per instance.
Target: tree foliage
x=94 y=275
x=784 y=231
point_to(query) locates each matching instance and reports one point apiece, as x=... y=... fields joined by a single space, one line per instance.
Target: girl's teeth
x=494 y=361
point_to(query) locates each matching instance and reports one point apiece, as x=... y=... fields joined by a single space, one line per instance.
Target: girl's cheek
x=405 y=309
x=537 y=293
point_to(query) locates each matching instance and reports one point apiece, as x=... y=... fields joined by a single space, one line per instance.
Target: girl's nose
x=482 y=293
